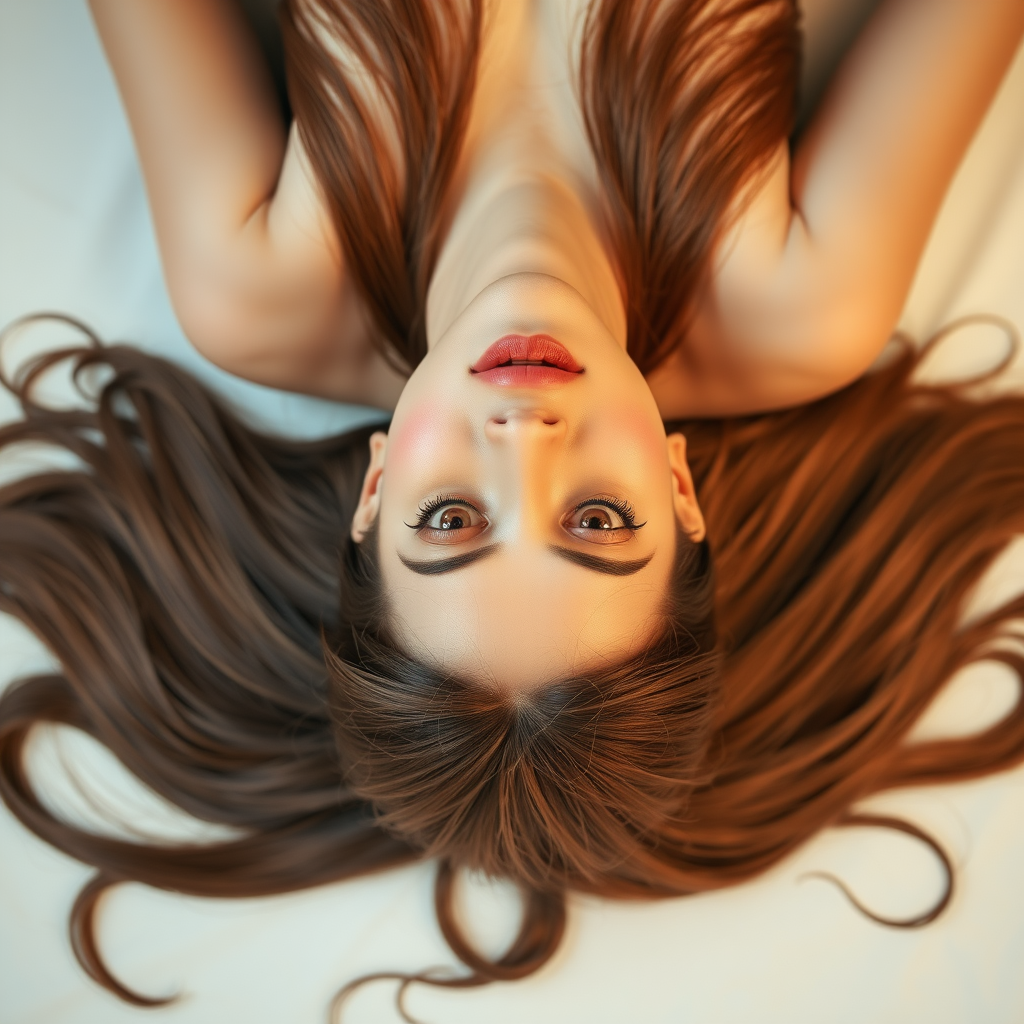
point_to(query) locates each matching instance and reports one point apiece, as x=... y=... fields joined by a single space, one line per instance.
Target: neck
x=527 y=183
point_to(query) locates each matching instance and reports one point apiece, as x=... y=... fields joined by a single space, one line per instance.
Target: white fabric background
x=75 y=237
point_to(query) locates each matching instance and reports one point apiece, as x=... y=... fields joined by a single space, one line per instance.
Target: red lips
x=526 y=361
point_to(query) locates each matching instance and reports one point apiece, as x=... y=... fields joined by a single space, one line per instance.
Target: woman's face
x=527 y=517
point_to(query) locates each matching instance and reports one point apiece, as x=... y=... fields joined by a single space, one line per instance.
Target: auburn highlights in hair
x=220 y=633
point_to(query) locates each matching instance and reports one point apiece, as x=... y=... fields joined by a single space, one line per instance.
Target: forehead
x=524 y=617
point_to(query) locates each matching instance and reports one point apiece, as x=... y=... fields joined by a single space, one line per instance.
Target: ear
x=684 y=497
x=369 y=497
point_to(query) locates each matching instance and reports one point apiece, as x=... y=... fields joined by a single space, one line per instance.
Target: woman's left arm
x=810 y=279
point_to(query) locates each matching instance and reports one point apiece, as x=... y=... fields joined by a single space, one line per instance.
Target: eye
x=448 y=520
x=602 y=521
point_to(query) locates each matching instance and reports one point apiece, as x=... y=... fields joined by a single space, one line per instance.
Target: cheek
x=637 y=437
x=417 y=441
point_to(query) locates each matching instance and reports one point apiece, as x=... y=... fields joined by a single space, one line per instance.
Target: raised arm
x=251 y=259
x=810 y=281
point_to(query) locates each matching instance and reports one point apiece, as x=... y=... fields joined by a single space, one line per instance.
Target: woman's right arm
x=251 y=259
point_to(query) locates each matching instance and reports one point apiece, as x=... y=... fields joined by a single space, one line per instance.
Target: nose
x=527 y=446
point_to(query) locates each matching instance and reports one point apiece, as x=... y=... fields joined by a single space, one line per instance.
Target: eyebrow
x=435 y=567
x=595 y=563
x=609 y=566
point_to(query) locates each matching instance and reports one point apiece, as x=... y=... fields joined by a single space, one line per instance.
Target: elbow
x=217 y=323
x=855 y=335
x=842 y=347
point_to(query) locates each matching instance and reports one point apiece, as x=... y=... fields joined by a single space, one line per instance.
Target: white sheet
x=75 y=237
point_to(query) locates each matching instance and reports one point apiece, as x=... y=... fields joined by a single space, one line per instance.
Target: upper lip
x=529 y=350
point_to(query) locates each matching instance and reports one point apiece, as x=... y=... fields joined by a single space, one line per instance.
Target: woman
x=540 y=268
x=505 y=213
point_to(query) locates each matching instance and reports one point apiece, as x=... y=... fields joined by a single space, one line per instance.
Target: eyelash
x=428 y=508
x=624 y=509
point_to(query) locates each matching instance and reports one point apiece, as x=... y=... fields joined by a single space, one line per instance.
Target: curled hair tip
x=441 y=976
x=82 y=931
x=40 y=364
x=1007 y=326
x=854 y=820
x=890 y=922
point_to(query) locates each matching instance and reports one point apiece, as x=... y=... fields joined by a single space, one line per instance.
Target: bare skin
x=805 y=291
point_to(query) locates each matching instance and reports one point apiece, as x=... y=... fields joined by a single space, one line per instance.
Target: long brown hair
x=220 y=637
x=383 y=130
x=685 y=103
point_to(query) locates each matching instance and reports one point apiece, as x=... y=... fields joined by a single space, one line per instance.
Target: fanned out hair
x=685 y=104
x=381 y=93
x=219 y=633
x=848 y=536
x=187 y=577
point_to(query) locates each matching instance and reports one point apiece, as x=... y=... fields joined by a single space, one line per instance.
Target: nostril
x=516 y=418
